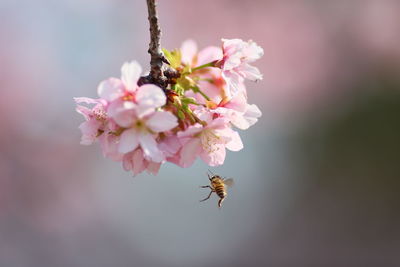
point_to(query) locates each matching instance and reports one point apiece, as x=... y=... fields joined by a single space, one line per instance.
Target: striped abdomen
x=220 y=190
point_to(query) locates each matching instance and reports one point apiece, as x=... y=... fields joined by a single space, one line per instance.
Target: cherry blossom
x=136 y=162
x=209 y=141
x=192 y=116
x=241 y=114
x=95 y=119
x=235 y=66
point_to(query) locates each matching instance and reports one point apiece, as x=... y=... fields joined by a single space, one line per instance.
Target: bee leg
x=220 y=202
x=206 y=186
x=207 y=197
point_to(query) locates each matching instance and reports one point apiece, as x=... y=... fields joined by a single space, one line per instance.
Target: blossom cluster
x=195 y=116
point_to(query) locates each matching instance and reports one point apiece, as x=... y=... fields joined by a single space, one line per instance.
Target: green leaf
x=174 y=57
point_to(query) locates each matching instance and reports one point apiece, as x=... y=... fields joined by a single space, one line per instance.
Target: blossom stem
x=196 y=89
x=210 y=64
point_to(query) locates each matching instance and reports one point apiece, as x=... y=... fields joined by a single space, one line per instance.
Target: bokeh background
x=317 y=183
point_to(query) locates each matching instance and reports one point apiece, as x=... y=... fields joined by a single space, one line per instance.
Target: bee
x=218 y=185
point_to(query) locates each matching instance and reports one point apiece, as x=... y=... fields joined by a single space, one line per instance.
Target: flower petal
x=89 y=130
x=253 y=51
x=191 y=130
x=149 y=146
x=209 y=54
x=128 y=141
x=123 y=112
x=109 y=146
x=86 y=100
x=139 y=163
x=162 y=121
x=110 y=89
x=130 y=73
x=234 y=83
x=149 y=97
x=188 y=51
x=86 y=112
x=189 y=152
x=250 y=72
x=216 y=157
x=252 y=114
x=170 y=145
x=127 y=162
x=235 y=144
x=153 y=167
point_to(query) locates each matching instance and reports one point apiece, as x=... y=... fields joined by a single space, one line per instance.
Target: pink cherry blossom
x=209 y=142
x=241 y=114
x=136 y=162
x=191 y=56
x=142 y=122
x=95 y=119
x=235 y=66
x=137 y=126
x=211 y=82
x=113 y=88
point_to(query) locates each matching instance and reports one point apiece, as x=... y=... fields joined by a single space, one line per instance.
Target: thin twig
x=157 y=56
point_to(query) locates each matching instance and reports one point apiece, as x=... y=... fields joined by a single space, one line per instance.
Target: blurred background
x=317 y=183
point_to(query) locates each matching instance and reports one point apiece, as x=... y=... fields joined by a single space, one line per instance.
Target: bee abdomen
x=220 y=190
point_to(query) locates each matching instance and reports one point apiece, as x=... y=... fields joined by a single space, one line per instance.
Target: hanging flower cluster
x=195 y=116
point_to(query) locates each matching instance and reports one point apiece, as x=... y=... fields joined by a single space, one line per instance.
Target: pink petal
x=252 y=114
x=153 y=167
x=239 y=121
x=233 y=83
x=214 y=158
x=128 y=141
x=209 y=54
x=219 y=123
x=138 y=162
x=162 y=121
x=170 y=145
x=109 y=145
x=86 y=100
x=238 y=103
x=191 y=130
x=250 y=72
x=123 y=112
x=86 y=112
x=130 y=74
x=189 y=152
x=149 y=97
x=253 y=52
x=188 y=50
x=110 y=89
x=235 y=144
x=127 y=162
x=149 y=147
x=89 y=131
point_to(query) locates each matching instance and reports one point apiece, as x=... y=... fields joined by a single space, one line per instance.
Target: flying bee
x=218 y=186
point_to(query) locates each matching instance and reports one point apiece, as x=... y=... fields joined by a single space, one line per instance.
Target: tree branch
x=160 y=73
x=157 y=57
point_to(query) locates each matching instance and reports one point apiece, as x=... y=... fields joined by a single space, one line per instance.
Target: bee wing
x=229 y=182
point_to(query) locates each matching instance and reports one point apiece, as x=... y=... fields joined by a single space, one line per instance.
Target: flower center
x=139 y=124
x=128 y=97
x=209 y=140
x=100 y=114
